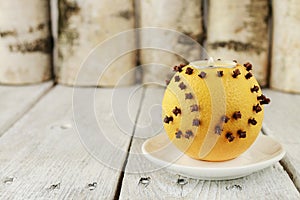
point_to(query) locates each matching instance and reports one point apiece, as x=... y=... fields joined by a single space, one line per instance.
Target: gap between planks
x=282 y=122
x=48 y=87
x=284 y=164
x=120 y=180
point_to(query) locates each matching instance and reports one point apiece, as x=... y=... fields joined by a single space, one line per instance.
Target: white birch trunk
x=182 y=16
x=239 y=30
x=25 y=41
x=83 y=24
x=286 y=46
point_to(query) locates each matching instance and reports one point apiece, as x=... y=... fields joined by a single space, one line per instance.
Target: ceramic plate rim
x=252 y=167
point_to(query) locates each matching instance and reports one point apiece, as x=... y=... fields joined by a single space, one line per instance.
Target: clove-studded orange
x=213 y=113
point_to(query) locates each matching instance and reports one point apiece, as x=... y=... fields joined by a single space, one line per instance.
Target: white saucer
x=263 y=153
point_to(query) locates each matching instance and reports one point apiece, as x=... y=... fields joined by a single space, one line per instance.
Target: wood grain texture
x=270 y=183
x=186 y=18
x=25 y=42
x=82 y=26
x=239 y=30
x=16 y=100
x=286 y=46
x=43 y=157
x=282 y=119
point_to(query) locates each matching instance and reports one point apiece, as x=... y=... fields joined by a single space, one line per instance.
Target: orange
x=213 y=113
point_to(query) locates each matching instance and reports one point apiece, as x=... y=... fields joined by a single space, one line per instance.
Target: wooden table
x=42 y=155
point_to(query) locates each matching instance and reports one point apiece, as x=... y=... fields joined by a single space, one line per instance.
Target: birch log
x=286 y=46
x=25 y=41
x=82 y=26
x=184 y=17
x=239 y=30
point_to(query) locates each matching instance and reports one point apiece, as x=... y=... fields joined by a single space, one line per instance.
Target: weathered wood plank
x=282 y=119
x=239 y=30
x=270 y=183
x=43 y=157
x=285 y=48
x=16 y=100
x=25 y=42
